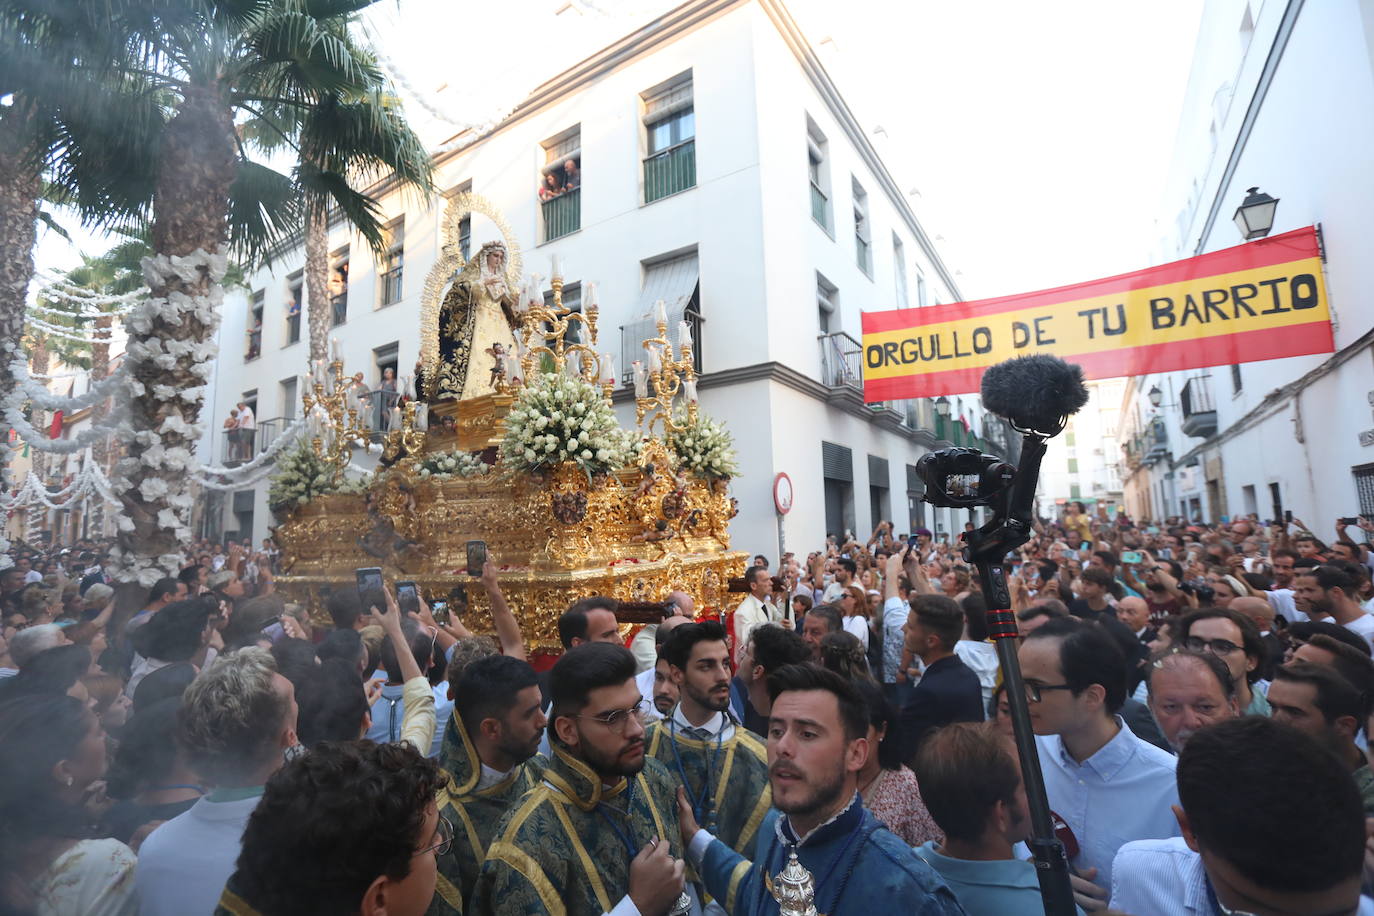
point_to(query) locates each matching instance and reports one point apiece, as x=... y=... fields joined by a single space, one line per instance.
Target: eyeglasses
x=1215 y=646
x=616 y=719
x=1034 y=690
x=445 y=832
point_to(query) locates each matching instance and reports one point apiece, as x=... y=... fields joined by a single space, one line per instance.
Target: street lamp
x=942 y=407
x=1156 y=396
x=1255 y=217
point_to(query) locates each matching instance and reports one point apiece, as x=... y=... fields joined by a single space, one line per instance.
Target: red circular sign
x=782 y=493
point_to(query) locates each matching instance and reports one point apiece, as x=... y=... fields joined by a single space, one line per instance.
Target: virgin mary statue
x=477 y=314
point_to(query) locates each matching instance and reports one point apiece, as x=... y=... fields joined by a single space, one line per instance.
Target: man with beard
x=1329 y=591
x=489 y=752
x=666 y=693
x=651 y=683
x=599 y=832
x=820 y=834
x=1325 y=705
x=722 y=766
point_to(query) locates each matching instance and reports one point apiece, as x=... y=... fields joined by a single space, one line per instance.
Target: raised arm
x=507 y=628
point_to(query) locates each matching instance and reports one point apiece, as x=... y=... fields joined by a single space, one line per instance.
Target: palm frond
x=264 y=209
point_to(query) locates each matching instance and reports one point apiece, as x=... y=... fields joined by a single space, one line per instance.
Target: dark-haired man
x=590 y=619
x=357 y=821
x=1329 y=591
x=650 y=682
x=819 y=622
x=948 y=691
x=846 y=571
x=1108 y=785
x=1237 y=807
x=1321 y=703
x=723 y=767
x=489 y=753
x=770 y=647
x=1232 y=637
x=817 y=744
x=599 y=833
x=971 y=782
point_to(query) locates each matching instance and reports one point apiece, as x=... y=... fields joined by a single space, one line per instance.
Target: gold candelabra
x=552 y=324
x=406 y=439
x=661 y=378
x=332 y=436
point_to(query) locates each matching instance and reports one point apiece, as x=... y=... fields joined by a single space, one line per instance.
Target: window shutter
x=837 y=462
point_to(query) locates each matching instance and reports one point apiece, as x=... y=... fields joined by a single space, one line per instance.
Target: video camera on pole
x=1037 y=394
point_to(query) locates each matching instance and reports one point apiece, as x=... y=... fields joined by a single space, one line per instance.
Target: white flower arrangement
x=301 y=476
x=558 y=419
x=704 y=448
x=441 y=465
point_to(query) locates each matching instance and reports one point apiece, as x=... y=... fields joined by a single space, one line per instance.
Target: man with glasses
x=722 y=766
x=1233 y=638
x=350 y=827
x=599 y=833
x=1107 y=785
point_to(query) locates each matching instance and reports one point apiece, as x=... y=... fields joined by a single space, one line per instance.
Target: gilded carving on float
x=560 y=531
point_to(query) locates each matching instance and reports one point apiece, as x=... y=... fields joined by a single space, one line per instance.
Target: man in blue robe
x=819 y=846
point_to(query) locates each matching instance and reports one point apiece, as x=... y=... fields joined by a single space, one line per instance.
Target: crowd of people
x=837 y=736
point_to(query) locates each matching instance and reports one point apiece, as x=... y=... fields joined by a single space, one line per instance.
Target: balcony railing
x=293 y=327
x=841 y=361
x=562 y=214
x=671 y=171
x=820 y=210
x=392 y=285
x=240 y=445
x=1199 y=407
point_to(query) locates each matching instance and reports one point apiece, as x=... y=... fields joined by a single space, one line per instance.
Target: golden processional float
x=520 y=450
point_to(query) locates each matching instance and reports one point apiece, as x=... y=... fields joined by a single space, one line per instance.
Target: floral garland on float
x=703 y=447
x=455 y=463
x=558 y=419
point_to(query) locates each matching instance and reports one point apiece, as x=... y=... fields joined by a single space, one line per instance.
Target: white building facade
x=718 y=169
x=1279 y=98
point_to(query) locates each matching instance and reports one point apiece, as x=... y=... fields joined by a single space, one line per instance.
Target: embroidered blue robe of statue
x=858 y=866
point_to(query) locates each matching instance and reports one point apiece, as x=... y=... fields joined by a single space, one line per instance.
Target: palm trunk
x=171 y=346
x=20 y=187
x=100 y=450
x=38 y=366
x=318 y=309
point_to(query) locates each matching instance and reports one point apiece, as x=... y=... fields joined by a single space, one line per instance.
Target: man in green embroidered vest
x=722 y=766
x=599 y=833
x=489 y=751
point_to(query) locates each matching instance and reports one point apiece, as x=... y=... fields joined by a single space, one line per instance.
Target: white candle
x=655 y=360
x=660 y=312
x=422 y=417
x=410 y=386
x=684 y=335
x=641 y=379
x=608 y=368
x=589 y=300
x=336 y=348
x=689 y=391
x=557 y=273
x=572 y=364
x=395 y=418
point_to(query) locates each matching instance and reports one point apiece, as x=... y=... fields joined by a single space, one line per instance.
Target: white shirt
x=1364 y=626
x=859 y=627
x=895 y=614
x=489 y=777
x=644 y=680
x=645 y=648
x=1123 y=792
x=982 y=658
x=719 y=725
x=833 y=591
x=183 y=865
x=246 y=419
x=1281 y=600
x=32 y=575
x=751 y=613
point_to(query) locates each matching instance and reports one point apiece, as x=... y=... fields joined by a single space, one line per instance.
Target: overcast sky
x=1036 y=136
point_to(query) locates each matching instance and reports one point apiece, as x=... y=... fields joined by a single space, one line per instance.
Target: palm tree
x=221 y=63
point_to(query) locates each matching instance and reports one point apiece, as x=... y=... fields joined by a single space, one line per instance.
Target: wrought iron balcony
x=820 y=209
x=841 y=362
x=562 y=214
x=1199 y=407
x=670 y=171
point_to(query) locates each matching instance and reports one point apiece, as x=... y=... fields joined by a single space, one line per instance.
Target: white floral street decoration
x=558 y=419
x=704 y=448
x=453 y=464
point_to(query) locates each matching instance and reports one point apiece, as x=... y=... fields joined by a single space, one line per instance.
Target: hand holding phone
x=369 y=579
x=408 y=597
x=477 y=558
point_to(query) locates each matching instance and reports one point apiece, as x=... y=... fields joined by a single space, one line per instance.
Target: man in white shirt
x=1107 y=785
x=1329 y=591
x=755 y=609
x=1237 y=805
x=246 y=431
x=237 y=720
x=845 y=572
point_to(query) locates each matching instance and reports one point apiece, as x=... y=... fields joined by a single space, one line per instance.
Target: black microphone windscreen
x=1034 y=392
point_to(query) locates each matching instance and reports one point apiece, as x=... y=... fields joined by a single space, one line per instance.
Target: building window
x=464 y=224
x=827 y=305
x=1236 y=382
x=295 y=298
x=338 y=287
x=837 y=468
x=1364 y=487
x=255 y=308
x=1073 y=465
x=863 y=247
x=572 y=301
x=560 y=189
x=1074 y=491
x=1276 y=501
x=393 y=263
x=670 y=130
x=899 y=271
x=288 y=398
x=673 y=277
x=819 y=172
x=920 y=289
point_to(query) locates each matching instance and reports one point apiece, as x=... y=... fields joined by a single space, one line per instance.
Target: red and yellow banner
x=1262 y=300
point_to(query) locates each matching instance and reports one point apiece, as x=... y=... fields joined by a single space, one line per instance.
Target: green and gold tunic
x=726 y=779
x=566 y=847
x=474 y=813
